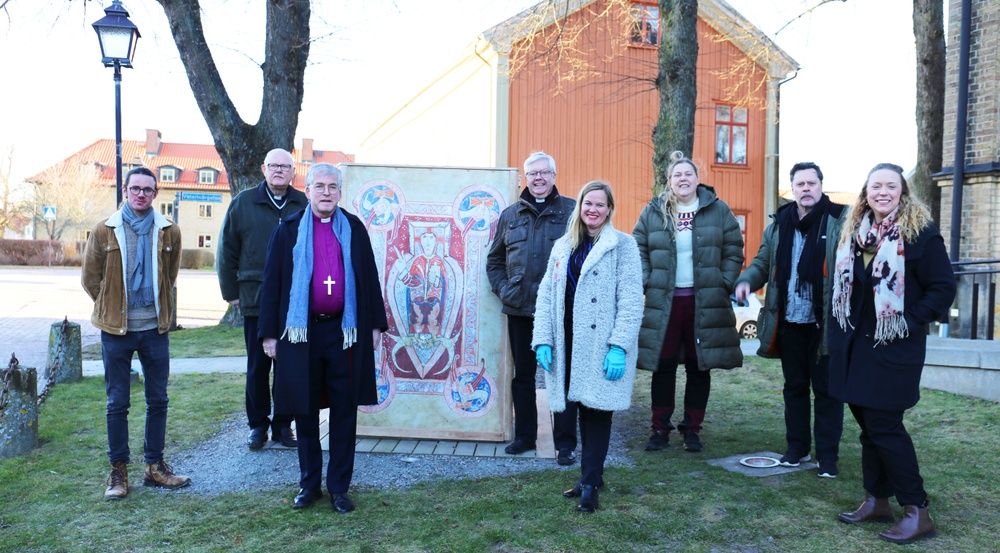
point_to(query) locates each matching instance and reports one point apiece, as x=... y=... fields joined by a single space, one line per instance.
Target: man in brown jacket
x=129 y=269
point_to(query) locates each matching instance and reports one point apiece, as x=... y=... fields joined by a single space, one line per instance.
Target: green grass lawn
x=207 y=341
x=671 y=500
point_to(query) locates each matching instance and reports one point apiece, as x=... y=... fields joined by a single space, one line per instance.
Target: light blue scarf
x=297 y=320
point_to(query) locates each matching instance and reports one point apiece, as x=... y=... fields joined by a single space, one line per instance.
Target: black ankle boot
x=588 y=499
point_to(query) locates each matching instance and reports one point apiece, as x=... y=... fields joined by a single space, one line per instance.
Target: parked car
x=746 y=316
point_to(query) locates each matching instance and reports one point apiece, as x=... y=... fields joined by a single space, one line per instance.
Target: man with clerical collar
x=129 y=269
x=796 y=260
x=321 y=317
x=515 y=265
x=250 y=220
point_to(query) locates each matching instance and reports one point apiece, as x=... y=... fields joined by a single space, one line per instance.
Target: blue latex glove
x=614 y=363
x=543 y=354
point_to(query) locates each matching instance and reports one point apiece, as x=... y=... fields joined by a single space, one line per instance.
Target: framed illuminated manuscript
x=443 y=367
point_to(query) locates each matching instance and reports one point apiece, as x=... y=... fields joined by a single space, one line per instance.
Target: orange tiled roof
x=187 y=158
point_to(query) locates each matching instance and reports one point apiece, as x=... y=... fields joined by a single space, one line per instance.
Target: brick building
x=979 y=236
x=190 y=177
x=980 y=226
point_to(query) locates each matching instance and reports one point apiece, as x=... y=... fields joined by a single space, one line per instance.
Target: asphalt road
x=33 y=298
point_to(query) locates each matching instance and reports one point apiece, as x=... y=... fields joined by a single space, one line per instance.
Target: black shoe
x=566 y=456
x=306 y=498
x=576 y=490
x=588 y=499
x=257 y=438
x=284 y=436
x=692 y=442
x=518 y=447
x=341 y=503
x=828 y=469
x=658 y=441
x=793 y=459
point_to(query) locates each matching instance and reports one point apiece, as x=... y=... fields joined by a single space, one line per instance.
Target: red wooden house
x=575 y=78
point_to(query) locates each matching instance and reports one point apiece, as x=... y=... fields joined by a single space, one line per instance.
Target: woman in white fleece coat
x=587 y=319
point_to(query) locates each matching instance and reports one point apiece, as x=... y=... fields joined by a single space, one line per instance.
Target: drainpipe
x=960 y=129
x=771 y=174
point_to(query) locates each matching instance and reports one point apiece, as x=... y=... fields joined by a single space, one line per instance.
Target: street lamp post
x=118 y=37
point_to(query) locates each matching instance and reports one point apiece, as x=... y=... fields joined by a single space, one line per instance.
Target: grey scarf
x=140 y=281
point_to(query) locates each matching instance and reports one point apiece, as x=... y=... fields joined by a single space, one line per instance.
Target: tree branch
x=805 y=13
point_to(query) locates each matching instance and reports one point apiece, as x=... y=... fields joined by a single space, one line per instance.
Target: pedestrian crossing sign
x=49 y=212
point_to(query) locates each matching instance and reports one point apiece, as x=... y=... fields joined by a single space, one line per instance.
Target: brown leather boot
x=872 y=509
x=915 y=524
x=162 y=475
x=117 y=482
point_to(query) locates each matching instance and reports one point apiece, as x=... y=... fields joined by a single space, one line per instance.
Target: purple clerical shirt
x=328 y=270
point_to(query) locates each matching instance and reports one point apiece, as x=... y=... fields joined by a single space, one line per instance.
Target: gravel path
x=223 y=464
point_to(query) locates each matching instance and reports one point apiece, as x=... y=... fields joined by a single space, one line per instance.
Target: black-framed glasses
x=279 y=167
x=136 y=190
x=544 y=174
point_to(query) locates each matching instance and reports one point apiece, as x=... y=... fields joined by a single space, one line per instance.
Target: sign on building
x=200 y=197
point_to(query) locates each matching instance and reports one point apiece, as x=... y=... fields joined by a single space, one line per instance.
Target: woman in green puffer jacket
x=692 y=252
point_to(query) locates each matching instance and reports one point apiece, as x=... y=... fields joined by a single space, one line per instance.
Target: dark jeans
x=802 y=368
x=154 y=356
x=328 y=367
x=595 y=428
x=888 y=459
x=663 y=387
x=595 y=434
x=258 y=396
x=522 y=390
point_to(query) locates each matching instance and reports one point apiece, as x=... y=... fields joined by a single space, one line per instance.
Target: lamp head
x=117 y=36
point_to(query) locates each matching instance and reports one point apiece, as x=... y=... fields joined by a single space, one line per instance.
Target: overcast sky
x=850 y=106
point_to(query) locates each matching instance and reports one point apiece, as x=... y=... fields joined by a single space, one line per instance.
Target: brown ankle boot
x=117 y=482
x=160 y=474
x=915 y=524
x=872 y=509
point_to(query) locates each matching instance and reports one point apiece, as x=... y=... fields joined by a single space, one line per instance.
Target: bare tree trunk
x=242 y=146
x=233 y=317
x=928 y=29
x=675 y=82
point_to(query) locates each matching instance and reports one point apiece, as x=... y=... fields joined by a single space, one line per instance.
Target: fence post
x=19 y=420
x=65 y=354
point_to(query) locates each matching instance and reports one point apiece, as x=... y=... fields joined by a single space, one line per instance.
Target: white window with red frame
x=646 y=25
x=731 y=124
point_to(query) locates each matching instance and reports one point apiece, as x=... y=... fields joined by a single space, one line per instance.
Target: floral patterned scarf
x=888 y=276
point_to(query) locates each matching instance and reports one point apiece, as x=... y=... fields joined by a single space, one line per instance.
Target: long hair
x=912 y=216
x=667 y=197
x=576 y=229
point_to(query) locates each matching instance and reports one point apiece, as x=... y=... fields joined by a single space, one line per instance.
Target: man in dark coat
x=796 y=261
x=250 y=220
x=321 y=317
x=515 y=265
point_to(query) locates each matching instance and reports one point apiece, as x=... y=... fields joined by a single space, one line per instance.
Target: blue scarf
x=297 y=320
x=140 y=281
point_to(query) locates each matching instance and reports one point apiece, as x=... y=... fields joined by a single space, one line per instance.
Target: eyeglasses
x=324 y=188
x=278 y=167
x=143 y=191
x=544 y=174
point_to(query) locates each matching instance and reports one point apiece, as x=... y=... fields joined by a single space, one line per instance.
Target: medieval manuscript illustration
x=442 y=367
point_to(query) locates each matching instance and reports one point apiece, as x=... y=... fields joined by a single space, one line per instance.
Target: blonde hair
x=575 y=228
x=912 y=216
x=667 y=197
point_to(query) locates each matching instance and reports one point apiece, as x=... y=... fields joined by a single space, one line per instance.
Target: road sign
x=49 y=212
